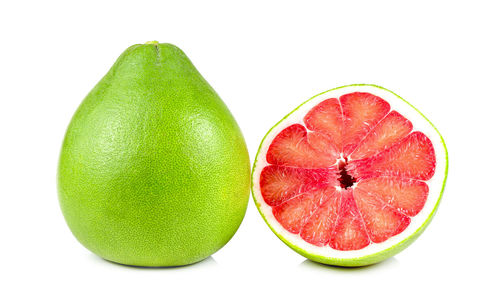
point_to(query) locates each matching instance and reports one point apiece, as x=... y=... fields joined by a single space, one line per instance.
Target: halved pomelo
x=350 y=177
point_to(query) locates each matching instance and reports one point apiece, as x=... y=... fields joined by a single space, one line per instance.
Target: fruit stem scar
x=155 y=43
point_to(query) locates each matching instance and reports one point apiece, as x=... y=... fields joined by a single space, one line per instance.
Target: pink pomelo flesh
x=353 y=173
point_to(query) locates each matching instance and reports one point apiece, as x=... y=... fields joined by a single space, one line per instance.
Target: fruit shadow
x=208 y=262
x=391 y=262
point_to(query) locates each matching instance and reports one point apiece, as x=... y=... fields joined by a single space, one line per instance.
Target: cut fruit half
x=350 y=177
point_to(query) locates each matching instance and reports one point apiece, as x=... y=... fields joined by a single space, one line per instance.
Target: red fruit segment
x=381 y=220
x=413 y=157
x=326 y=118
x=349 y=232
x=278 y=184
x=387 y=132
x=291 y=147
x=361 y=111
x=294 y=213
x=322 y=142
x=406 y=195
x=319 y=226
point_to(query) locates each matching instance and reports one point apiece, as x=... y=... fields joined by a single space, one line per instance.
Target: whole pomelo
x=154 y=170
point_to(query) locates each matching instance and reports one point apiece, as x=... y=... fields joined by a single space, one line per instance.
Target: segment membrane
x=349 y=232
x=413 y=157
x=291 y=147
x=387 y=132
x=326 y=118
x=361 y=112
x=381 y=220
x=278 y=183
x=319 y=226
x=294 y=213
x=405 y=195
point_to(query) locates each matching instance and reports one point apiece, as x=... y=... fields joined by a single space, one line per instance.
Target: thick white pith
x=419 y=124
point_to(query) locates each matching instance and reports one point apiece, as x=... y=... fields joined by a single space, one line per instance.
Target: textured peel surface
x=154 y=170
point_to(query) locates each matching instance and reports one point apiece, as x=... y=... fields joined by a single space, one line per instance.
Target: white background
x=264 y=58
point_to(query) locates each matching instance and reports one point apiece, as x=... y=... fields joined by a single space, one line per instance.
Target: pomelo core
x=350 y=177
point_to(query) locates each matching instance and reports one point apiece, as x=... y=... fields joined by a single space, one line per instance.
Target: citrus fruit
x=154 y=170
x=350 y=177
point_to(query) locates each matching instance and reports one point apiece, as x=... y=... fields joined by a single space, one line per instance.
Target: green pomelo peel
x=154 y=170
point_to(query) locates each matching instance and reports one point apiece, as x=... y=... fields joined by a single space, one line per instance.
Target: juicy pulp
x=352 y=173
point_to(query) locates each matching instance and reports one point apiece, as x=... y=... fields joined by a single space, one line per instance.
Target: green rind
x=368 y=259
x=154 y=170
